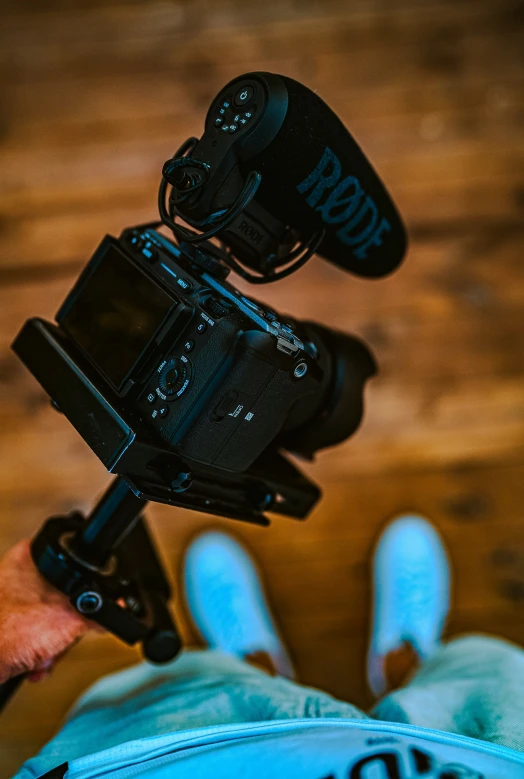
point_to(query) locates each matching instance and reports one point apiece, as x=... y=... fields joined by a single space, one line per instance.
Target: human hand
x=37 y=623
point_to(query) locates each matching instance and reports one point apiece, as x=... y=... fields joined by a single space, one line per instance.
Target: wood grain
x=94 y=96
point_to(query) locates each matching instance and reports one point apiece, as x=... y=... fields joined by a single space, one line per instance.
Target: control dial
x=173 y=377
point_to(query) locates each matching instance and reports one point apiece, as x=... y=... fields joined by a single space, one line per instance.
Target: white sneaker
x=227 y=603
x=411 y=593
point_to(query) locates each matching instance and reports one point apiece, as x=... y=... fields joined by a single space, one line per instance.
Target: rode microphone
x=275 y=177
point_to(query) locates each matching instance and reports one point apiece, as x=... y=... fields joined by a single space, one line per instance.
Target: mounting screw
x=300 y=370
x=89 y=602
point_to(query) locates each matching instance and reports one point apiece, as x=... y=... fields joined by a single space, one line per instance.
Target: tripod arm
x=108 y=524
x=108 y=567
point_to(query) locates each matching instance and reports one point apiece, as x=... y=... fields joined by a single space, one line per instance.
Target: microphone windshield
x=315 y=176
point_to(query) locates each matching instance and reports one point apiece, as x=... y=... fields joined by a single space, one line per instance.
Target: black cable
x=196 y=181
x=312 y=246
x=302 y=253
x=188 y=145
x=250 y=187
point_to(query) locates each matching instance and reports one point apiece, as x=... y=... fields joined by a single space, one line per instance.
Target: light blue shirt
x=309 y=749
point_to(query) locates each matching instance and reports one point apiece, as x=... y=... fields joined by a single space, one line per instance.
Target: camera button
x=136 y=242
x=151 y=398
x=185 y=284
x=244 y=95
x=201 y=328
x=150 y=254
x=163 y=411
x=215 y=307
x=189 y=346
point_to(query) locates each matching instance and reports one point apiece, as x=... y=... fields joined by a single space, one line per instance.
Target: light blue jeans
x=472 y=686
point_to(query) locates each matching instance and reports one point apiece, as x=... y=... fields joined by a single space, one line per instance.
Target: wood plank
x=383 y=137
x=83 y=31
x=487 y=210
x=342 y=67
x=154 y=106
x=447 y=147
x=412 y=308
x=462 y=277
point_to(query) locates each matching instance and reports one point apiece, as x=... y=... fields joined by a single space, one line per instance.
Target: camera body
x=212 y=373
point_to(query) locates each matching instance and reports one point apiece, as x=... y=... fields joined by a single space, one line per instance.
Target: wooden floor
x=95 y=95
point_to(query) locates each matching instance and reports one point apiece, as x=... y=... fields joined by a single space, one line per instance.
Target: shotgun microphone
x=274 y=168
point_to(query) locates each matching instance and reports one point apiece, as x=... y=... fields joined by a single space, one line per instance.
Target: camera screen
x=115 y=313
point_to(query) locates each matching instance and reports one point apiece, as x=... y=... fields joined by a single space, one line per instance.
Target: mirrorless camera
x=212 y=373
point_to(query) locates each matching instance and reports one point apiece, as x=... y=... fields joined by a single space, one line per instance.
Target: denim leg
x=200 y=689
x=472 y=686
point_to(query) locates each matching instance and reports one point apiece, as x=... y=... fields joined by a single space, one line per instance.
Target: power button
x=243 y=96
